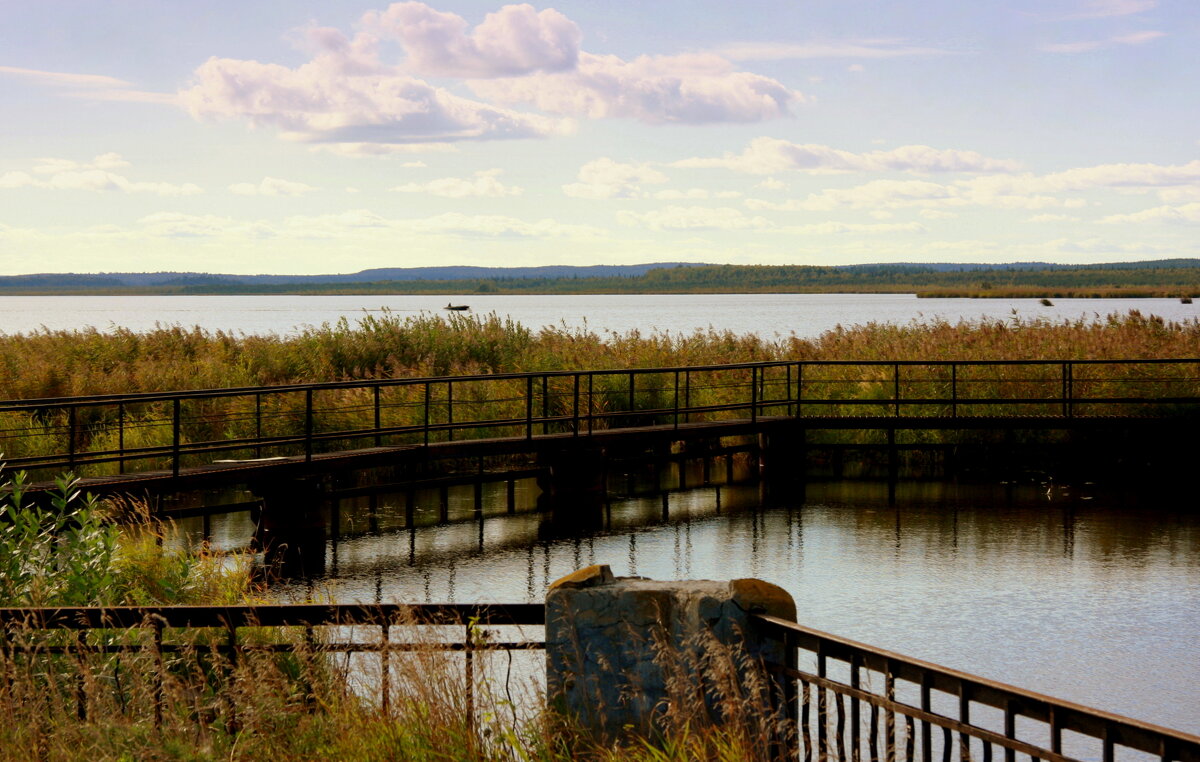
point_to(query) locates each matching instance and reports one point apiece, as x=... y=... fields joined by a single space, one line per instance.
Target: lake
x=1086 y=600
x=769 y=315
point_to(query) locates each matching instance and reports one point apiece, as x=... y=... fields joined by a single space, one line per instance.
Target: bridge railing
x=203 y=664
x=170 y=431
x=857 y=702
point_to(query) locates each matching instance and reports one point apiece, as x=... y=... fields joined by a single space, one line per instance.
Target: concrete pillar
x=291 y=526
x=653 y=655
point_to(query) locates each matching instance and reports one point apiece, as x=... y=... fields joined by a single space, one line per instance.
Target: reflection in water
x=1089 y=601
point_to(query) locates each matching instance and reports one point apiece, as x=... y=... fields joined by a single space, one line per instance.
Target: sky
x=294 y=136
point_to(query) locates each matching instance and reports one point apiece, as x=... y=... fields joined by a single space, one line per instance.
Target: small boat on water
x=457 y=307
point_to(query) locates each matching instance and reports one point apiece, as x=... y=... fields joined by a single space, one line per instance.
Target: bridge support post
x=573 y=482
x=291 y=528
x=783 y=464
x=633 y=652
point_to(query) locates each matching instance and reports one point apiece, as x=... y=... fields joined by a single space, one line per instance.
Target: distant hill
x=1170 y=277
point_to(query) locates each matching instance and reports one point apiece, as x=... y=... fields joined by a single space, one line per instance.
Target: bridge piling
x=291 y=527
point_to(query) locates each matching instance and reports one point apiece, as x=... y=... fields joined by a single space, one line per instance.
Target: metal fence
x=860 y=703
x=169 y=431
x=853 y=702
x=208 y=649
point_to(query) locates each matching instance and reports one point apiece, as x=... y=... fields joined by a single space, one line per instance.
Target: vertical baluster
x=675 y=417
x=873 y=740
x=855 y=708
x=529 y=407
x=840 y=736
x=687 y=396
x=896 y=387
x=953 y=390
x=591 y=377
x=159 y=672
x=545 y=404
x=425 y=423
x=174 y=436
x=909 y=741
x=575 y=406
x=257 y=424
x=231 y=721
x=470 y=653
x=926 y=705
x=1055 y=732
x=450 y=410
x=1010 y=730
x=964 y=716
x=947 y=744
x=120 y=437
x=754 y=393
x=385 y=659
x=81 y=679
x=378 y=416
x=822 y=712
x=889 y=719
x=805 y=720
x=308 y=424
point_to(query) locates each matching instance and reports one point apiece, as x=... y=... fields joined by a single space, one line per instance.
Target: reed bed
x=385 y=346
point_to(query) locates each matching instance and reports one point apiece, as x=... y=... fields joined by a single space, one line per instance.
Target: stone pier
x=629 y=651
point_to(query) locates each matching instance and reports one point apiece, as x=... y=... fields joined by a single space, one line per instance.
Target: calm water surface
x=1089 y=601
x=768 y=315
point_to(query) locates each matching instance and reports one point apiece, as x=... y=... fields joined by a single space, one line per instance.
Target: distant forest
x=1164 y=278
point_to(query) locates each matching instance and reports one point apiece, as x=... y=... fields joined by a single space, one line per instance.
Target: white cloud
x=1052 y=218
x=67 y=174
x=1084 y=46
x=766 y=156
x=104 y=161
x=347 y=97
x=1187 y=214
x=483 y=184
x=694 y=88
x=772 y=184
x=1097 y=9
x=90 y=86
x=271 y=186
x=693 y=218
x=604 y=178
x=838 y=228
x=937 y=214
x=514 y=40
x=867 y=48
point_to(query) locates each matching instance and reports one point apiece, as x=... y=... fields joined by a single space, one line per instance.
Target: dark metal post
x=754 y=393
x=1065 y=401
x=799 y=389
x=529 y=407
x=896 y=387
x=687 y=396
x=378 y=417
x=71 y=436
x=158 y=673
x=175 y=437
x=591 y=376
x=121 y=437
x=258 y=423
x=676 y=399
x=575 y=407
x=545 y=405
x=426 y=424
x=632 y=406
x=308 y=424
x=953 y=390
x=385 y=653
x=788 y=375
x=450 y=408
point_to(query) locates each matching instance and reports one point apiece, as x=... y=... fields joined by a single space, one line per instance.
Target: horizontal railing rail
x=93 y=640
x=169 y=431
x=882 y=687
